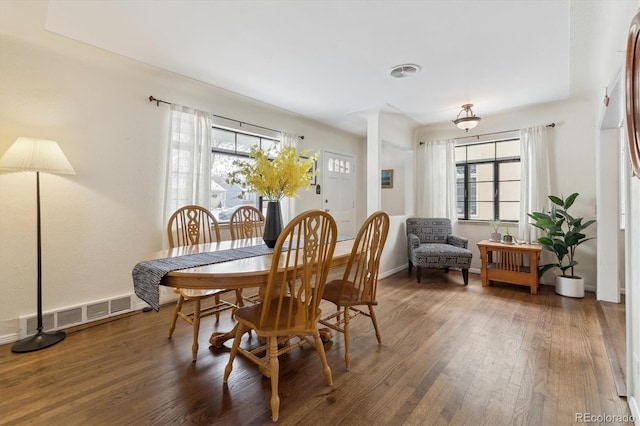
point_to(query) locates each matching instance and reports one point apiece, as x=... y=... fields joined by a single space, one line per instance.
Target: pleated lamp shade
x=36 y=155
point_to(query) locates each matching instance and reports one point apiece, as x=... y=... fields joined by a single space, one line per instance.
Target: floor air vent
x=119 y=305
x=97 y=310
x=76 y=315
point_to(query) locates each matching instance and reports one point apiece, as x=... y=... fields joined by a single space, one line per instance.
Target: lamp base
x=38 y=341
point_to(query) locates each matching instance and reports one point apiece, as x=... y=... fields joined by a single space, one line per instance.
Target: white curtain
x=189 y=160
x=534 y=181
x=436 y=180
x=288 y=205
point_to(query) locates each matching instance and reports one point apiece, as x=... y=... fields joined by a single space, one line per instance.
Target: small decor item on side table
x=276 y=173
x=495 y=235
x=507 y=238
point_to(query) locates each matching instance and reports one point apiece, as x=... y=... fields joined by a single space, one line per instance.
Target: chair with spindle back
x=357 y=288
x=290 y=303
x=187 y=226
x=247 y=222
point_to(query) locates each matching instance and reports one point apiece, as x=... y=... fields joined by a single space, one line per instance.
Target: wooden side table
x=505 y=263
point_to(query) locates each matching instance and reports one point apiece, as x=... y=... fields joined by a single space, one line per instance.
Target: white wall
x=393 y=199
x=397 y=134
x=99 y=223
x=609 y=44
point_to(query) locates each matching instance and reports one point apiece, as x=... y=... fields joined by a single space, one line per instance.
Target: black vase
x=272 y=224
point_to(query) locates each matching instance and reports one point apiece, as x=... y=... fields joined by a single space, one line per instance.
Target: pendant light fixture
x=469 y=121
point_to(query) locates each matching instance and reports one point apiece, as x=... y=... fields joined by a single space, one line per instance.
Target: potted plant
x=495 y=235
x=507 y=238
x=273 y=174
x=564 y=233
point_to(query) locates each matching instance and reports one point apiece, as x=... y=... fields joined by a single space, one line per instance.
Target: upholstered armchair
x=432 y=245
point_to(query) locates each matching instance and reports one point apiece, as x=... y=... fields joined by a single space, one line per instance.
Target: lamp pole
x=41 y=339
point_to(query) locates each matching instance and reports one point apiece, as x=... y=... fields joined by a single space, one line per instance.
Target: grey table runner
x=148 y=274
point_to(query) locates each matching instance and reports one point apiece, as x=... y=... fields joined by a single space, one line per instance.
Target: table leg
x=217 y=339
x=483 y=270
x=325 y=334
x=533 y=265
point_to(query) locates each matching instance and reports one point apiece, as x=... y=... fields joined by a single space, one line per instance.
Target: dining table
x=229 y=264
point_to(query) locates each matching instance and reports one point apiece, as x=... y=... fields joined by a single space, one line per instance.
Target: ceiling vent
x=406 y=70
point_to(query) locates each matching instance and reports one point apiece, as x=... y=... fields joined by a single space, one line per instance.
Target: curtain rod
x=493 y=133
x=159 y=101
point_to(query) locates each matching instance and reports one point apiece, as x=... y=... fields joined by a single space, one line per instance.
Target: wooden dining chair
x=290 y=303
x=187 y=226
x=246 y=222
x=357 y=287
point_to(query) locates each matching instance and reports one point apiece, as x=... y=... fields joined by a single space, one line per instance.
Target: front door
x=338 y=195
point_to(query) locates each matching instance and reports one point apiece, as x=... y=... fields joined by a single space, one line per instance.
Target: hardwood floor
x=613 y=320
x=451 y=355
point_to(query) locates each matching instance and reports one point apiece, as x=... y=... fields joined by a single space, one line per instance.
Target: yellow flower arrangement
x=274 y=178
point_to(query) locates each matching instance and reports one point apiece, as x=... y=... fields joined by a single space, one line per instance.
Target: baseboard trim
x=633 y=407
x=136 y=306
x=616 y=367
x=392 y=271
x=9 y=338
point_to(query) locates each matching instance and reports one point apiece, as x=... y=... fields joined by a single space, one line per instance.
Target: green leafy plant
x=563 y=233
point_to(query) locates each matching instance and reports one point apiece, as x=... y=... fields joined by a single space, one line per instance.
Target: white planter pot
x=570 y=286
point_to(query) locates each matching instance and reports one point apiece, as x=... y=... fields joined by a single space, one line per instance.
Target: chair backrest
x=246 y=222
x=360 y=280
x=191 y=225
x=429 y=230
x=299 y=272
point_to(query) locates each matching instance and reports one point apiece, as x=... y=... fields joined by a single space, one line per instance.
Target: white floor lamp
x=37 y=155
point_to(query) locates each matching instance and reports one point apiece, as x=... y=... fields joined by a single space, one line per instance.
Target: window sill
x=485 y=222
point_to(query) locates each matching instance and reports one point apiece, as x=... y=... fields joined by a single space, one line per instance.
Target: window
x=488 y=180
x=227 y=146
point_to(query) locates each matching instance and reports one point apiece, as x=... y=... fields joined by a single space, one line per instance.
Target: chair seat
x=436 y=255
x=250 y=316
x=189 y=293
x=345 y=296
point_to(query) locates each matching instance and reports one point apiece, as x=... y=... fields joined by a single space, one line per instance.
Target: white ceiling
x=329 y=60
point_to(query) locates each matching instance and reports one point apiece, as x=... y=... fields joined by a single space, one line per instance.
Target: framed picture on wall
x=386 y=178
x=312 y=179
